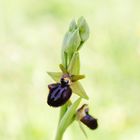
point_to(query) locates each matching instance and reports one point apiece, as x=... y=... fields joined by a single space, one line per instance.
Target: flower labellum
x=59 y=93
x=85 y=118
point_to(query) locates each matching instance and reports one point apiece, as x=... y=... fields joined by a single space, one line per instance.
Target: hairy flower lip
x=89 y=121
x=59 y=93
x=86 y=118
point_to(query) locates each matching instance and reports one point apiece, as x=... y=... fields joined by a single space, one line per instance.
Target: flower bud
x=83 y=29
x=73 y=42
x=86 y=118
x=72 y=26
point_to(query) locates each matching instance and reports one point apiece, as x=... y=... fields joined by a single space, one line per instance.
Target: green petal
x=74 y=66
x=78 y=89
x=56 y=76
x=67 y=119
x=75 y=78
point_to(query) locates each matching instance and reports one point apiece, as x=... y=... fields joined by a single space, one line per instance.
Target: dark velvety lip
x=89 y=121
x=58 y=94
x=86 y=118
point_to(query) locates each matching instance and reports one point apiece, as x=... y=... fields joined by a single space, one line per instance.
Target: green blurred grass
x=31 y=34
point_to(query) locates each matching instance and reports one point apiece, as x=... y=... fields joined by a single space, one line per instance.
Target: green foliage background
x=31 y=34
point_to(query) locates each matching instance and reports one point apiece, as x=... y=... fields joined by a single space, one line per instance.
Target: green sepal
x=56 y=76
x=78 y=89
x=67 y=119
x=75 y=78
x=74 y=66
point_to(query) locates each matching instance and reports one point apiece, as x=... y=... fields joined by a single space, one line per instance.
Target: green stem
x=63 y=109
x=67 y=119
x=59 y=136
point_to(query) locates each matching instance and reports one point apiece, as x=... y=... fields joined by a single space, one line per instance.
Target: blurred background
x=31 y=34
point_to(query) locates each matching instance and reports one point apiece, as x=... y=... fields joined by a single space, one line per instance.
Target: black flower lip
x=59 y=93
x=86 y=118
